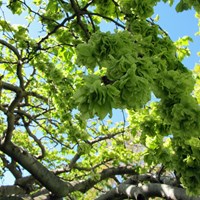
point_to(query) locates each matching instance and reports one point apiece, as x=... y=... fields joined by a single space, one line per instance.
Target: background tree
x=61 y=77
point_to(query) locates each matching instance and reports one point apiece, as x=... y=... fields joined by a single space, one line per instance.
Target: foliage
x=62 y=83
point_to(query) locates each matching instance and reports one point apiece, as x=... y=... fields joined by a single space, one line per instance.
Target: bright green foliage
x=174 y=151
x=142 y=9
x=105 y=8
x=183 y=5
x=120 y=69
x=182 y=47
x=188 y=4
x=94 y=98
x=15 y=6
x=64 y=84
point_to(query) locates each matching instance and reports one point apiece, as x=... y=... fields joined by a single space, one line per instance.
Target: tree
x=61 y=80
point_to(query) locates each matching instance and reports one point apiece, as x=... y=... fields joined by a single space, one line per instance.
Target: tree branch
x=27 y=183
x=8 y=86
x=39 y=143
x=12 y=166
x=106 y=173
x=78 y=13
x=11 y=116
x=11 y=47
x=146 y=191
x=10 y=190
x=34 y=94
x=40 y=172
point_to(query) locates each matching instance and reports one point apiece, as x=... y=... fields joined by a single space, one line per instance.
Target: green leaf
x=37 y=2
x=182 y=5
x=15 y=7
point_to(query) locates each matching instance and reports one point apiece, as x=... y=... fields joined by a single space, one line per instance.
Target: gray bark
x=146 y=191
x=40 y=172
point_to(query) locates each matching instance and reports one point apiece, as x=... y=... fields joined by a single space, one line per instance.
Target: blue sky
x=179 y=25
x=175 y=24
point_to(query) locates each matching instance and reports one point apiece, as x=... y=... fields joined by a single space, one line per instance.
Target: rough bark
x=40 y=172
x=146 y=191
x=49 y=180
x=10 y=190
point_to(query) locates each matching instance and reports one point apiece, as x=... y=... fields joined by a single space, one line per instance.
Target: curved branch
x=19 y=94
x=39 y=171
x=39 y=143
x=19 y=74
x=146 y=191
x=49 y=180
x=8 y=86
x=11 y=166
x=11 y=116
x=106 y=173
x=11 y=47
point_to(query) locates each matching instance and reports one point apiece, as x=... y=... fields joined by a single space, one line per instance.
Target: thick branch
x=141 y=178
x=40 y=172
x=146 y=191
x=74 y=160
x=11 y=116
x=6 y=193
x=8 y=86
x=10 y=190
x=27 y=183
x=49 y=180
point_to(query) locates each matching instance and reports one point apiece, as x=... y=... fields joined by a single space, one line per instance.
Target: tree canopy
x=62 y=82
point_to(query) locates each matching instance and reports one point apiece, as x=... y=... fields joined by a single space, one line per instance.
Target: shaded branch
x=108 y=136
x=19 y=74
x=8 y=86
x=106 y=173
x=146 y=191
x=27 y=180
x=12 y=167
x=39 y=143
x=78 y=13
x=74 y=160
x=42 y=194
x=10 y=190
x=11 y=47
x=53 y=31
x=138 y=178
x=39 y=172
x=76 y=166
x=11 y=116
x=35 y=94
